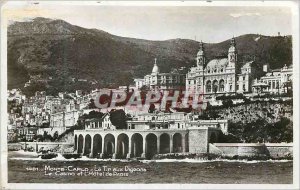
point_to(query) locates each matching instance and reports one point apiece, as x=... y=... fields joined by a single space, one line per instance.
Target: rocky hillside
x=271 y=111
x=252 y=122
x=58 y=56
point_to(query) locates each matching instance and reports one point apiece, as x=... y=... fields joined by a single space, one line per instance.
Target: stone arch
x=213 y=138
x=75 y=142
x=97 y=145
x=122 y=145
x=80 y=144
x=215 y=86
x=164 y=143
x=87 y=144
x=109 y=145
x=177 y=142
x=137 y=145
x=151 y=149
x=221 y=85
x=208 y=86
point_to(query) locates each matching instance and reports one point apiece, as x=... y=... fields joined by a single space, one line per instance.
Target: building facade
x=65 y=119
x=220 y=75
x=277 y=81
x=100 y=123
x=162 y=81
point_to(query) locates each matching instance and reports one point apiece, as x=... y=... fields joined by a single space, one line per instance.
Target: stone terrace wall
x=252 y=149
x=278 y=149
x=198 y=141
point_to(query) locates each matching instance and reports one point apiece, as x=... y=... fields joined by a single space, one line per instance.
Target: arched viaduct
x=138 y=143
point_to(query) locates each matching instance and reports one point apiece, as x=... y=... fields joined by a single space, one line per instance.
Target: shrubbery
x=262 y=131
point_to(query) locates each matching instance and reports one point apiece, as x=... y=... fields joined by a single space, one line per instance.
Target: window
x=221 y=85
x=208 y=86
x=237 y=87
x=215 y=86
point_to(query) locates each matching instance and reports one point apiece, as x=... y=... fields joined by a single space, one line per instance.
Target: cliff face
x=56 y=55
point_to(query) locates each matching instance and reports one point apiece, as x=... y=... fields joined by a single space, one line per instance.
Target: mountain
x=57 y=56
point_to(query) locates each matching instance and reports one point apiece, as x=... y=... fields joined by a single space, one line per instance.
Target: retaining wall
x=274 y=150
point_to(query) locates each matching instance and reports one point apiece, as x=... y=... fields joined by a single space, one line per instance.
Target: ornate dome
x=217 y=63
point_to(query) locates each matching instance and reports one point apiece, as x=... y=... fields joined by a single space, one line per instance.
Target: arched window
x=221 y=85
x=208 y=86
x=215 y=86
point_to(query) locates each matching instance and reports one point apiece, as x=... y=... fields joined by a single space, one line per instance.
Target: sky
x=161 y=22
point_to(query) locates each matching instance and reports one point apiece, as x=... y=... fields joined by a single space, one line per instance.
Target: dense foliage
x=262 y=131
x=55 y=55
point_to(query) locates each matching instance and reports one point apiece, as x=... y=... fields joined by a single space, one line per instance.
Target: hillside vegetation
x=252 y=122
x=58 y=56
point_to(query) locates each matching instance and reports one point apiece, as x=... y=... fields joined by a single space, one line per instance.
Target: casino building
x=220 y=75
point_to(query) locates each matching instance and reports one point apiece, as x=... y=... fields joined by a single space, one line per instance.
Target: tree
x=118 y=118
x=47 y=137
x=55 y=136
x=92 y=104
x=94 y=114
x=227 y=103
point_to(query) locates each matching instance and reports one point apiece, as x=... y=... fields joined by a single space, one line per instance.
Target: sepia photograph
x=149 y=95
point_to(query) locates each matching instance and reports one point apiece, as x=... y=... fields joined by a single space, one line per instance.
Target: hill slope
x=52 y=52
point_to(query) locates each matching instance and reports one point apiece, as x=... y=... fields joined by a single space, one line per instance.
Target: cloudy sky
x=209 y=24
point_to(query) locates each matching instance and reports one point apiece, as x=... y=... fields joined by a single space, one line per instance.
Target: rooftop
x=217 y=62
